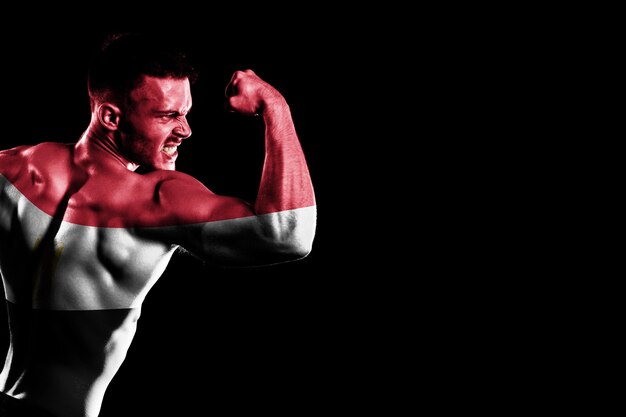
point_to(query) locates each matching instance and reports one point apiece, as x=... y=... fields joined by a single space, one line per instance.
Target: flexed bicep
x=280 y=225
x=260 y=239
x=227 y=231
x=249 y=239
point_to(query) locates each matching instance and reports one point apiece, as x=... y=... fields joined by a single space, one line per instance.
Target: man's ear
x=109 y=116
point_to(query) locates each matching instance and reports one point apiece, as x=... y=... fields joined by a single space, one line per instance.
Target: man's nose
x=182 y=130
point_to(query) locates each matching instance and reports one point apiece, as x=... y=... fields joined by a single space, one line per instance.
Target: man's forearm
x=285 y=181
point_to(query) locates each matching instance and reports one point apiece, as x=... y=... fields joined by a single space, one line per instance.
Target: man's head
x=139 y=89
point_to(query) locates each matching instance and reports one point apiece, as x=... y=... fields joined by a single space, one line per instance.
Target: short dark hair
x=118 y=66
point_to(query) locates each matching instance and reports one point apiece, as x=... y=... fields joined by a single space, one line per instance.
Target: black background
x=270 y=339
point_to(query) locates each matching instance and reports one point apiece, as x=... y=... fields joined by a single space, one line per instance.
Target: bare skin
x=83 y=237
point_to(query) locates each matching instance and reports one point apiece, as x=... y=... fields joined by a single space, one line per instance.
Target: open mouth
x=170 y=150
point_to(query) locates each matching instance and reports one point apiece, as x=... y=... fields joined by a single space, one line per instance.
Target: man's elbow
x=294 y=233
x=299 y=245
x=305 y=235
x=300 y=248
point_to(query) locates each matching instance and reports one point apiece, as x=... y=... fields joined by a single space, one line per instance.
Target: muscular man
x=84 y=235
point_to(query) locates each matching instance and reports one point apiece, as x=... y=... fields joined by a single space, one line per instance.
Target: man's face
x=155 y=122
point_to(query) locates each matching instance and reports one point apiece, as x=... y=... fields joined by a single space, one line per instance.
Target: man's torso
x=75 y=270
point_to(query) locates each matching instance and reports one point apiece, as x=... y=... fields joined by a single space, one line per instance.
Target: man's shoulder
x=15 y=160
x=174 y=189
x=49 y=152
x=44 y=152
x=183 y=199
x=164 y=177
x=12 y=156
x=27 y=150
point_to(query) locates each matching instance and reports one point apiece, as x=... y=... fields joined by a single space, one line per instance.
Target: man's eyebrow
x=172 y=111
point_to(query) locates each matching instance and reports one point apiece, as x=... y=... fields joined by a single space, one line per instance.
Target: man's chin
x=168 y=162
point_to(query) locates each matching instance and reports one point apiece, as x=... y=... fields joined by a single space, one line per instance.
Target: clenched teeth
x=170 y=150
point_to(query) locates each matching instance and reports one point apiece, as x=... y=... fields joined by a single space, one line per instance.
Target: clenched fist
x=248 y=94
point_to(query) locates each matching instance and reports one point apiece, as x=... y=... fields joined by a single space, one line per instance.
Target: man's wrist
x=273 y=106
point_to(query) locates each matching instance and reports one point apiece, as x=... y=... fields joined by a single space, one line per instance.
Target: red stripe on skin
x=119 y=208
x=160 y=198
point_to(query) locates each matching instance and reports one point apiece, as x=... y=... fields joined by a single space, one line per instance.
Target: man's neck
x=97 y=148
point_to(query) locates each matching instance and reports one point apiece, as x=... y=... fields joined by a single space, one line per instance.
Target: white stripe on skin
x=108 y=268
